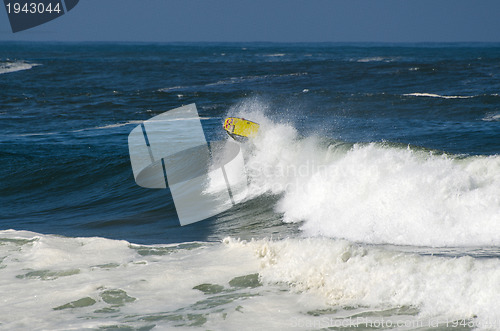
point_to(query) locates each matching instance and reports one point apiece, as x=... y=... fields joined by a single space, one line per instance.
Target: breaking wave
x=431 y=95
x=13 y=66
x=375 y=192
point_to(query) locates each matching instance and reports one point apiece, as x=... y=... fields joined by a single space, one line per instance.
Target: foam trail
x=376 y=193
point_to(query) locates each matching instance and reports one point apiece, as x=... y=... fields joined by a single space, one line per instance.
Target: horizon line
x=248 y=42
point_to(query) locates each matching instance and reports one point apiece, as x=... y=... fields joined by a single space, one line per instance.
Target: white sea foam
x=173 y=88
x=51 y=283
x=35 y=134
x=376 y=193
x=377 y=59
x=431 y=95
x=493 y=117
x=59 y=283
x=349 y=275
x=7 y=67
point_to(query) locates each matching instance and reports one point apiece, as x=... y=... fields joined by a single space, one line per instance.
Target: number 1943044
x=33 y=8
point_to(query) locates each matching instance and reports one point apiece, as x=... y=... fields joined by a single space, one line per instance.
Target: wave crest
x=7 y=67
x=376 y=193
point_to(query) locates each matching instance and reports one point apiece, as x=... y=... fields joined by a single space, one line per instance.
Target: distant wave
x=230 y=81
x=236 y=80
x=104 y=127
x=6 y=67
x=492 y=117
x=275 y=55
x=109 y=126
x=173 y=88
x=376 y=59
x=35 y=134
x=118 y=125
x=431 y=95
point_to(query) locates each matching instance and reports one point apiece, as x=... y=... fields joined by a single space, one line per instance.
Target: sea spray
x=375 y=192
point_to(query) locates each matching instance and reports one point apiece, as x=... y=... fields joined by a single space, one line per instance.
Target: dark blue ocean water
x=66 y=110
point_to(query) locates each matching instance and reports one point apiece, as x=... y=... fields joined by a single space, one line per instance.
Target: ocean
x=373 y=188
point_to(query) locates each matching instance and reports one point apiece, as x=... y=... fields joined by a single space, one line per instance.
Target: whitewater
x=377 y=193
x=373 y=196
x=57 y=283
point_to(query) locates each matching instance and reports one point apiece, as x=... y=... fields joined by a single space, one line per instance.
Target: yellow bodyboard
x=239 y=128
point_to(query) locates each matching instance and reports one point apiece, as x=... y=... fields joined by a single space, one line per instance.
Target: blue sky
x=270 y=20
